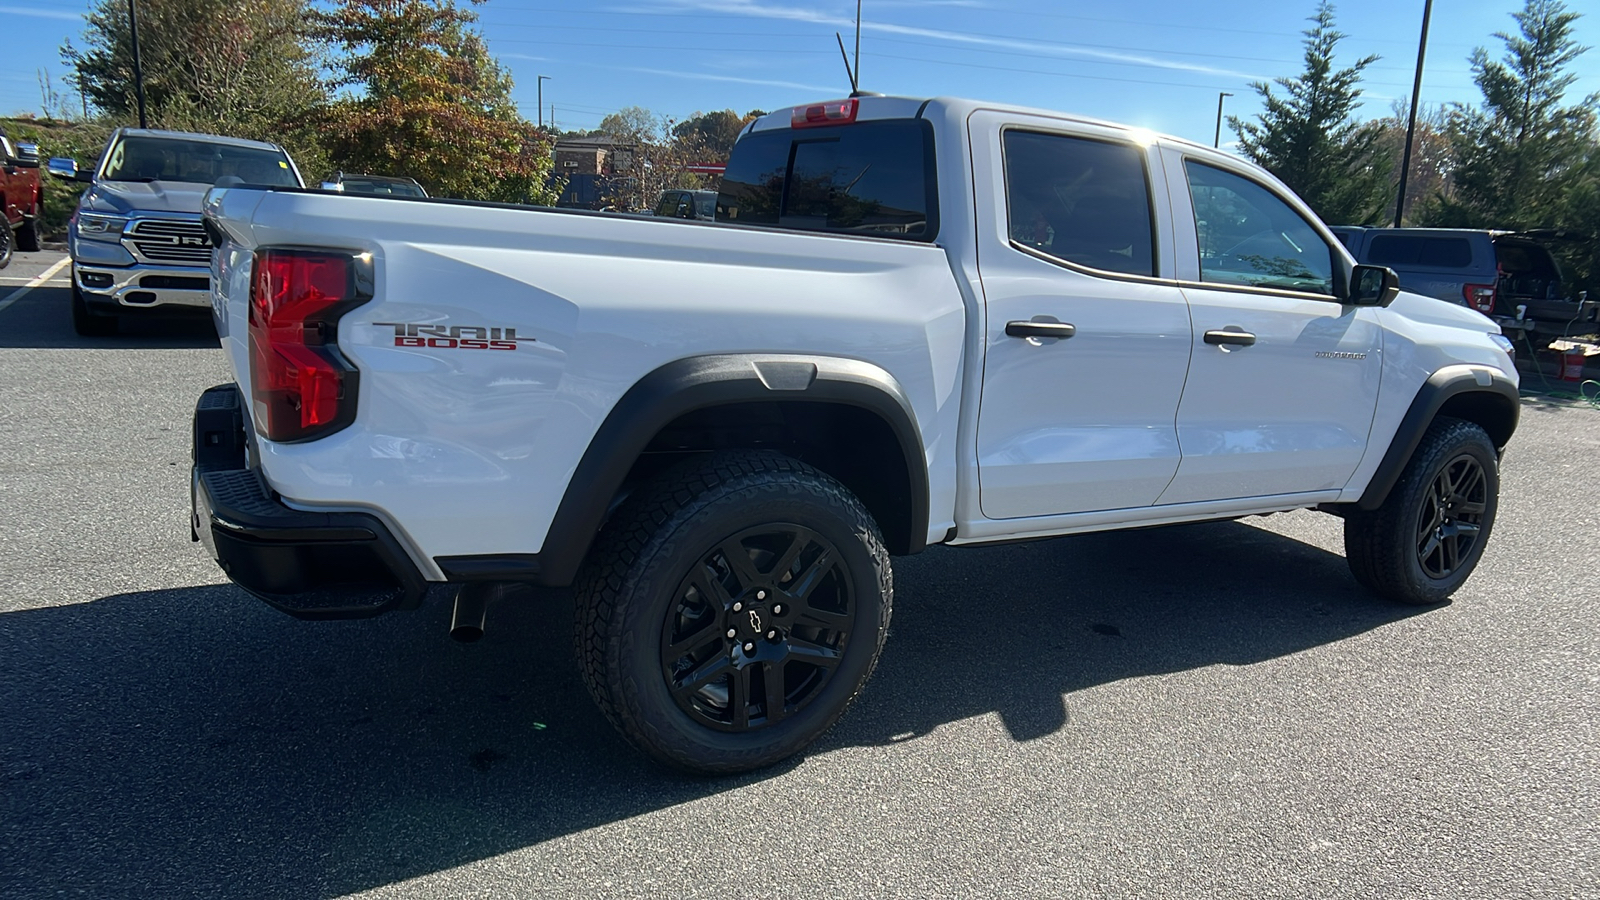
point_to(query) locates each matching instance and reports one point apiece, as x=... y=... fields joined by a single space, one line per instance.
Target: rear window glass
x=1439 y=252
x=865 y=178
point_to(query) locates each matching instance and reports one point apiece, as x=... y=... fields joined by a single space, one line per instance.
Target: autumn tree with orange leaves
x=419 y=95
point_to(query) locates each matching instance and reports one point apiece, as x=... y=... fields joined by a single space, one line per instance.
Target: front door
x=1088 y=336
x=1284 y=378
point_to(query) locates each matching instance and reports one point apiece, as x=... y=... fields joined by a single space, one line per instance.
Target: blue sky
x=1158 y=64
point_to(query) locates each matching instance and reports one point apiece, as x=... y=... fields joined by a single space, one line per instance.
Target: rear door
x=1088 y=335
x=1284 y=379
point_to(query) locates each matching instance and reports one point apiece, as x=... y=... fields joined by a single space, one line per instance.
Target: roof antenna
x=855 y=81
x=847 y=73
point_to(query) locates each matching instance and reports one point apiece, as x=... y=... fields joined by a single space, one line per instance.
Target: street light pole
x=1411 y=124
x=1216 y=140
x=540 y=101
x=138 y=67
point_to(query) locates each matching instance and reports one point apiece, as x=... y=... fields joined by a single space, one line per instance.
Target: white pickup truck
x=913 y=322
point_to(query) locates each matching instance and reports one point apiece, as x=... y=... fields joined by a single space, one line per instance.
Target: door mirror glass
x=1373 y=286
x=64 y=168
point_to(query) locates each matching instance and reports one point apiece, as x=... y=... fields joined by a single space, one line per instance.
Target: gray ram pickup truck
x=137 y=242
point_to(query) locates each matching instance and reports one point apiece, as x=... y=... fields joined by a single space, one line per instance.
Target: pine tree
x=429 y=102
x=1520 y=153
x=1310 y=139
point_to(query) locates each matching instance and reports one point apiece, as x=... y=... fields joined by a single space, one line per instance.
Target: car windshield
x=384 y=188
x=201 y=162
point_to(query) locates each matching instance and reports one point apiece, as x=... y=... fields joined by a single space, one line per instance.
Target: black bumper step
x=312 y=565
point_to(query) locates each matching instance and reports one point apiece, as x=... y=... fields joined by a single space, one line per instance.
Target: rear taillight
x=1479 y=296
x=834 y=112
x=301 y=385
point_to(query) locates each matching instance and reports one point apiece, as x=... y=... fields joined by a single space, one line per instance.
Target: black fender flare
x=1449 y=383
x=684 y=386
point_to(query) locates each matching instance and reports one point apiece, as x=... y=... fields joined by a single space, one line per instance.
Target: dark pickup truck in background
x=21 y=197
x=1511 y=277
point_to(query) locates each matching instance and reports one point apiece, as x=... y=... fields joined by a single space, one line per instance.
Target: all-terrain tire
x=1401 y=550
x=639 y=585
x=85 y=322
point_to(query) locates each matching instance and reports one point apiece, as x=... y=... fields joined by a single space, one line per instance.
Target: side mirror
x=1373 y=286
x=27 y=156
x=63 y=168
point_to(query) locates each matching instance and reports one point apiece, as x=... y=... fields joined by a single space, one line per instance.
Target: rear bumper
x=311 y=565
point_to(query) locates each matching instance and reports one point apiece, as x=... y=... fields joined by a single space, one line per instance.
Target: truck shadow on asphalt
x=43 y=319
x=193 y=742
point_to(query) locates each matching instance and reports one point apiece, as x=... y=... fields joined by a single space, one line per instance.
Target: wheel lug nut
x=749 y=648
x=733 y=632
x=772 y=635
x=738 y=607
x=777 y=609
x=761 y=595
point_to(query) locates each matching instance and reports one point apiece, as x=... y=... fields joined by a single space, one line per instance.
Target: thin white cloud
x=41 y=13
x=817 y=17
x=704 y=76
x=524 y=56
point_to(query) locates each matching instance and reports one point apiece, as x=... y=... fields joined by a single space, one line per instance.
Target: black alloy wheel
x=1428 y=535
x=731 y=609
x=1450 y=517
x=757 y=628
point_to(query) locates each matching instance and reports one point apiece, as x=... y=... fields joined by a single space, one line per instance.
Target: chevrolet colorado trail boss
x=136 y=242
x=913 y=322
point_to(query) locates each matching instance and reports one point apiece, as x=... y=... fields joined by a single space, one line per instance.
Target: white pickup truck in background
x=913 y=322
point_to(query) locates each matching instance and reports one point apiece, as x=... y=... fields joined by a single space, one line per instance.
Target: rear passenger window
x=1082 y=201
x=871 y=177
x=1435 y=252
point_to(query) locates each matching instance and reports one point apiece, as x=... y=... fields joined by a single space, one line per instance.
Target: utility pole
x=138 y=67
x=1411 y=124
x=540 y=101
x=1216 y=140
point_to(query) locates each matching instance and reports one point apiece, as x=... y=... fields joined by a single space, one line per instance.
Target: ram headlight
x=100 y=228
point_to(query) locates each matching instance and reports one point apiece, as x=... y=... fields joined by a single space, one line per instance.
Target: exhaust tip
x=471 y=612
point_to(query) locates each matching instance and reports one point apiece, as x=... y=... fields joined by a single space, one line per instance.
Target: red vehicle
x=21 y=197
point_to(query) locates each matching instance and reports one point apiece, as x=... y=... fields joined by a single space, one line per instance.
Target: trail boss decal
x=455 y=337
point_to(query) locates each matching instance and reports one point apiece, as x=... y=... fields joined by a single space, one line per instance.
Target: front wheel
x=731 y=610
x=1427 y=537
x=7 y=242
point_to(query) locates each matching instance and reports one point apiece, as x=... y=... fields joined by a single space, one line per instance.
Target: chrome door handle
x=1231 y=337
x=1025 y=329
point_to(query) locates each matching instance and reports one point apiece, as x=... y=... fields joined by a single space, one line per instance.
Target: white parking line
x=44 y=276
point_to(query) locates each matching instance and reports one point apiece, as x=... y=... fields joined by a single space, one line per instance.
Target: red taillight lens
x=301 y=385
x=1479 y=296
x=835 y=112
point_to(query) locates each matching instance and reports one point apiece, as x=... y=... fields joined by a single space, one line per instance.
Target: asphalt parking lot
x=1204 y=711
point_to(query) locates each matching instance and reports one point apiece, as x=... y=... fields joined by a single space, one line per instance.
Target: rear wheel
x=87 y=323
x=1427 y=537
x=731 y=610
